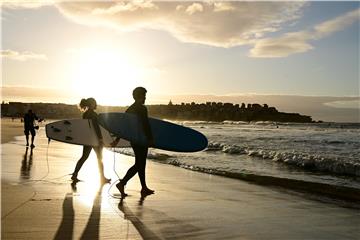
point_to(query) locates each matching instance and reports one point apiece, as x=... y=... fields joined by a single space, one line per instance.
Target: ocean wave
x=302 y=160
x=151 y=154
x=195 y=122
x=234 y=122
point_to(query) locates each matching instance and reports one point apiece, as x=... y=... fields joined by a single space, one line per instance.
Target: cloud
x=30 y=4
x=221 y=24
x=223 y=6
x=337 y=24
x=21 y=56
x=283 y=46
x=193 y=8
x=298 y=42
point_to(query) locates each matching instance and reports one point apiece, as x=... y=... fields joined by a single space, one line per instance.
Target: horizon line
x=197 y=94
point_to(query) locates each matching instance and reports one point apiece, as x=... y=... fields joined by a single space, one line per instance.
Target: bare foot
x=121 y=187
x=146 y=191
x=75 y=179
x=105 y=180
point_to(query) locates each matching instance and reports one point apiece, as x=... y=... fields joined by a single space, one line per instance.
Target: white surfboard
x=80 y=132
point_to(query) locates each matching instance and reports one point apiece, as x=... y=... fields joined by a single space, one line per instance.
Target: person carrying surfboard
x=138 y=108
x=89 y=105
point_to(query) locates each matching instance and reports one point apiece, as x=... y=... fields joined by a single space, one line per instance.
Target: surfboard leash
x=43 y=179
x=118 y=180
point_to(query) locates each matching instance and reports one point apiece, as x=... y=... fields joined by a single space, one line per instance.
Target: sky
x=70 y=50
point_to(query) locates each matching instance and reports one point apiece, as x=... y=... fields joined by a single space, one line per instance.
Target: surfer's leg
x=129 y=174
x=141 y=164
x=80 y=162
x=134 y=169
x=27 y=132
x=32 y=131
x=98 y=151
x=140 y=160
x=27 y=139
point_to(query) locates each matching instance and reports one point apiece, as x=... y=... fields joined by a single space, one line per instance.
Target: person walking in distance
x=29 y=127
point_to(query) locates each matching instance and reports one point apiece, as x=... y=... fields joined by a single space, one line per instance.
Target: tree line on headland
x=209 y=111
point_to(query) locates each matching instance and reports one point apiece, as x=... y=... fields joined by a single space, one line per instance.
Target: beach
x=11 y=128
x=39 y=202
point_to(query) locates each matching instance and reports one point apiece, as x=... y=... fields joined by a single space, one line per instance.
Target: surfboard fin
x=55 y=129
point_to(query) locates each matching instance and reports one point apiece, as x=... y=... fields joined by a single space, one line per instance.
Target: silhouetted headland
x=209 y=111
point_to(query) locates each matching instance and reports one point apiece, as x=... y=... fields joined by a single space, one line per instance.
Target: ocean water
x=327 y=154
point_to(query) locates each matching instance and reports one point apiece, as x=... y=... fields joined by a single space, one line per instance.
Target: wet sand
x=38 y=202
x=11 y=128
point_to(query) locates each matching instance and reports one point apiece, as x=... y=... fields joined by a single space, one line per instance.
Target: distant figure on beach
x=138 y=108
x=88 y=106
x=29 y=127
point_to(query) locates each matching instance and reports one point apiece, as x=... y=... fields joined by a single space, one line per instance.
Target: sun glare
x=106 y=75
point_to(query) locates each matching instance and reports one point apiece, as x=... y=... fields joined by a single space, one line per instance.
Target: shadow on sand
x=143 y=230
x=164 y=226
x=66 y=228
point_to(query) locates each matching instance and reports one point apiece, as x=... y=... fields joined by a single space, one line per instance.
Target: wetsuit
x=139 y=150
x=92 y=115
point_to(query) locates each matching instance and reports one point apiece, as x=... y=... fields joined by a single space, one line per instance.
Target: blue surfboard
x=167 y=136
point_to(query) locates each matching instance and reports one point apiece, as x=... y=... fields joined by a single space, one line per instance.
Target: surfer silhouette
x=138 y=108
x=29 y=127
x=89 y=106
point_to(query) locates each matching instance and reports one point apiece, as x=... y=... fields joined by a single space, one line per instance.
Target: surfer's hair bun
x=88 y=103
x=83 y=103
x=91 y=103
x=139 y=92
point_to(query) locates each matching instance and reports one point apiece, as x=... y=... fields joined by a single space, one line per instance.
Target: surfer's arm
x=95 y=122
x=147 y=128
x=115 y=142
x=38 y=119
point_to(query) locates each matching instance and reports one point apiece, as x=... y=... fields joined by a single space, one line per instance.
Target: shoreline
x=14 y=128
x=334 y=193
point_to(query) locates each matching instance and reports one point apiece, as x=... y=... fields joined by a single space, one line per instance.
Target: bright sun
x=106 y=75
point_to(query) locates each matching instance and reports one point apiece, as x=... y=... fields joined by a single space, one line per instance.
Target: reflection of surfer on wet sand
x=26 y=164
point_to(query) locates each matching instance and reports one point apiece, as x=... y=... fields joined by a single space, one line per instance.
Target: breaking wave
x=303 y=160
x=151 y=154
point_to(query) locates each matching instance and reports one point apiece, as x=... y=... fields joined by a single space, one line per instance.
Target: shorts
x=30 y=130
